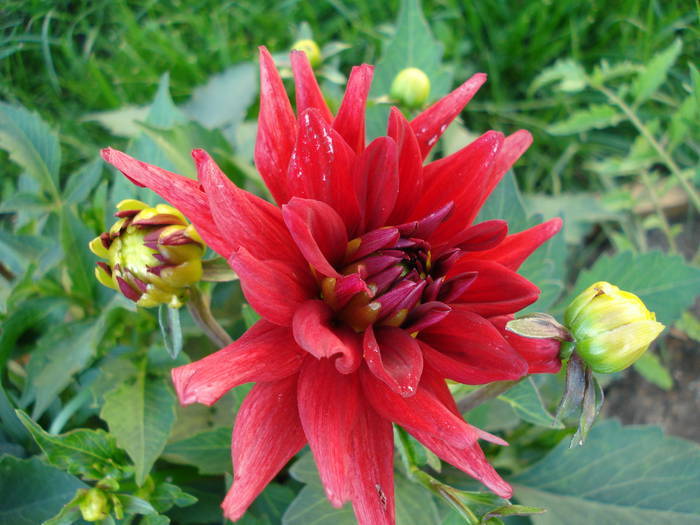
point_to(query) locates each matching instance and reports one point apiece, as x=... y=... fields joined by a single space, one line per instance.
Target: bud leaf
x=539 y=326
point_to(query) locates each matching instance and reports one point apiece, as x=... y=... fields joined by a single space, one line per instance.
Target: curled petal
x=410 y=165
x=266 y=352
x=542 y=355
x=308 y=94
x=432 y=123
x=350 y=120
x=273 y=288
x=276 y=130
x=267 y=434
x=328 y=409
x=394 y=357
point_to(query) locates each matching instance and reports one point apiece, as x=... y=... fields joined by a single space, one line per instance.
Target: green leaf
x=154 y=519
x=652 y=370
x=654 y=73
x=82 y=182
x=32 y=491
x=209 y=451
x=569 y=74
x=666 y=284
x=273 y=502
x=141 y=414
x=311 y=506
x=169 y=322
x=83 y=452
x=622 y=475
x=250 y=316
x=75 y=237
x=506 y=203
x=32 y=144
x=598 y=116
x=527 y=403
x=689 y=324
x=166 y=495
x=134 y=505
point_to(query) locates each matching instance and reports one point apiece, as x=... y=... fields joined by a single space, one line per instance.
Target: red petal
x=183 y=193
x=461 y=178
x=432 y=123
x=308 y=94
x=273 y=288
x=496 y=289
x=322 y=167
x=542 y=355
x=328 y=409
x=410 y=166
x=377 y=183
x=276 y=129
x=267 y=434
x=319 y=233
x=249 y=221
x=482 y=236
x=372 y=468
x=266 y=352
x=395 y=358
x=422 y=412
x=516 y=248
x=314 y=332
x=467 y=348
x=350 y=120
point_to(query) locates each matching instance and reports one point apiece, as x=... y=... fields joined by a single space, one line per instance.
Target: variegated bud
x=612 y=328
x=313 y=53
x=411 y=87
x=153 y=255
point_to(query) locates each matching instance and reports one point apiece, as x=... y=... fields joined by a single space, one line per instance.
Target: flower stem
x=484 y=394
x=198 y=306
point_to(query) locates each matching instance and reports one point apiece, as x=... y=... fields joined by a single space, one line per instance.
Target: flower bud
x=153 y=254
x=411 y=87
x=313 y=53
x=612 y=328
x=94 y=505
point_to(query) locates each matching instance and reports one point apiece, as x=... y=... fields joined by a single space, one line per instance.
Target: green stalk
x=198 y=307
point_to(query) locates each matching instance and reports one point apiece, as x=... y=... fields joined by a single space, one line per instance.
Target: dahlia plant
x=374 y=284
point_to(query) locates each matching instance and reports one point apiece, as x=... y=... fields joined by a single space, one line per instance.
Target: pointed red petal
x=372 y=468
x=542 y=355
x=183 y=193
x=249 y=221
x=467 y=348
x=422 y=412
x=319 y=233
x=517 y=247
x=395 y=358
x=350 y=120
x=482 y=236
x=276 y=130
x=308 y=94
x=496 y=289
x=377 y=182
x=266 y=352
x=267 y=434
x=273 y=288
x=433 y=122
x=410 y=166
x=328 y=409
x=322 y=166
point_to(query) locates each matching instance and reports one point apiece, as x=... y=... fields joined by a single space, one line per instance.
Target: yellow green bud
x=313 y=53
x=94 y=505
x=612 y=328
x=153 y=254
x=411 y=87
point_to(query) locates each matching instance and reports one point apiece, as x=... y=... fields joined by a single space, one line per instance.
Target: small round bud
x=612 y=328
x=313 y=53
x=411 y=87
x=153 y=254
x=94 y=505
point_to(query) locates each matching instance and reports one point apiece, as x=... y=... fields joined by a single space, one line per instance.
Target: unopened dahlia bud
x=313 y=53
x=153 y=254
x=411 y=87
x=94 y=506
x=612 y=328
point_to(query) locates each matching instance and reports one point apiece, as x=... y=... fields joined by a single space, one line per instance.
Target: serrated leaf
x=82 y=182
x=272 y=502
x=569 y=74
x=689 y=324
x=622 y=475
x=598 y=116
x=32 y=491
x=209 y=451
x=527 y=403
x=311 y=506
x=32 y=144
x=666 y=284
x=170 y=329
x=506 y=203
x=88 y=453
x=654 y=73
x=653 y=371
x=167 y=495
x=75 y=236
x=140 y=415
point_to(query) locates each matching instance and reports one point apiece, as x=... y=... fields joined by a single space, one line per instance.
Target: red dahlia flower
x=373 y=285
